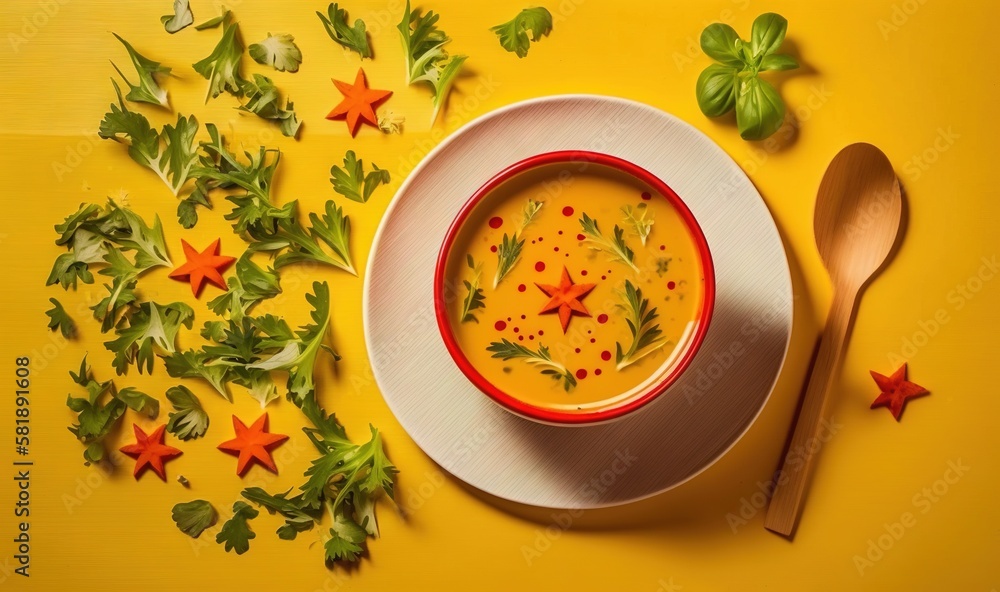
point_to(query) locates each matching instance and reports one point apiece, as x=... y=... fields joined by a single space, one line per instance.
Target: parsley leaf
x=170 y=154
x=298 y=354
x=236 y=533
x=147 y=91
x=251 y=284
x=353 y=38
x=94 y=419
x=352 y=182
x=188 y=420
x=194 y=364
x=59 y=319
x=193 y=517
x=222 y=67
x=513 y=34
x=139 y=402
x=426 y=59
x=346 y=537
x=278 y=51
x=263 y=100
x=150 y=325
x=298 y=515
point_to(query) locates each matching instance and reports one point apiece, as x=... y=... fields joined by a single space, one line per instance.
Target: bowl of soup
x=574 y=288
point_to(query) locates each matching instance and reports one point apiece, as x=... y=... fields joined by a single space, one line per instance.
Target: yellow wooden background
x=917 y=78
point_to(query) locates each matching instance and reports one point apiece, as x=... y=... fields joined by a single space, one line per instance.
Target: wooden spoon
x=857 y=219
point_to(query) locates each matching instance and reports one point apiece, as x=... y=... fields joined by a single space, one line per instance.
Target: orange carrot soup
x=575 y=287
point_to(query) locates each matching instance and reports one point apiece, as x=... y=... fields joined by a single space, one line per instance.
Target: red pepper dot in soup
x=496 y=222
x=500 y=325
x=567 y=211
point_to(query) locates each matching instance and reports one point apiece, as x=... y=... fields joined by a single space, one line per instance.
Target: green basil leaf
x=778 y=62
x=759 y=110
x=716 y=89
x=767 y=34
x=721 y=43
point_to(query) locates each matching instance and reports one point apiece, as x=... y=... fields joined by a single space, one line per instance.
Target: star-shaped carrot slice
x=252 y=443
x=200 y=267
x=895 y=391
x=359 y=102
x=150 y=451
x=565 y=298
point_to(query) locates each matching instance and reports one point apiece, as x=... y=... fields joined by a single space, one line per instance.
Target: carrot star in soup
x=565 y=298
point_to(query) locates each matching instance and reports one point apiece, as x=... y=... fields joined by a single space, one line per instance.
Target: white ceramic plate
x=676 y=436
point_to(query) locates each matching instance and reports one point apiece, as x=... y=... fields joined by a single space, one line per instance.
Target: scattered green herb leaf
x=181 y=17
x=139 y=402
x=391 y=123
x=188 y=420
x=353 y=38
x=170 y=153
x=513 y=34
x=264 y=101
x=95 y=418
x=298 y=353
x=59 y=319
x=251 y=284
x=236 y=533
x=193 y=517
x=150 y=325
x=426 y=59
x=352 y=182
x=278 y=51
x=147 y=91
x=222 y=67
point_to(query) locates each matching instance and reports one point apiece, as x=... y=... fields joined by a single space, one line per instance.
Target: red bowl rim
x=514 y=404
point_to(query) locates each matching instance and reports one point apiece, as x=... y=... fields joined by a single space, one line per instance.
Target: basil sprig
x=735 y=82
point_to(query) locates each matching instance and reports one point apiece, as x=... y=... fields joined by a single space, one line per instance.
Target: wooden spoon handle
x=790 y=482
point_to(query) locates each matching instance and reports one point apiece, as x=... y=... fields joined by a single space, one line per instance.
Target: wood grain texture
x=856 y=224
x=683 y=431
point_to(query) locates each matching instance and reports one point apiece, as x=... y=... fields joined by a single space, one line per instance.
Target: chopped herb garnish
x=640 y=219
x=529 y=212
x=615 y=247
x=474 y=298
x=188 y=420
x=645 y=334
x=507 y=350
x=508 y=254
